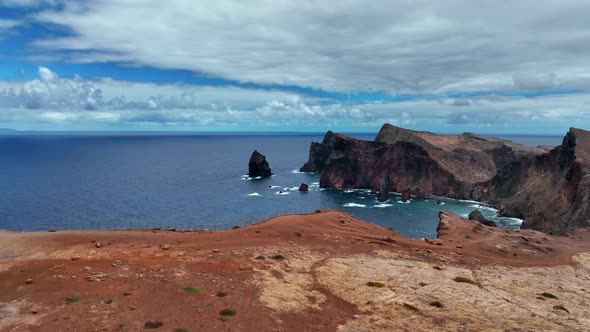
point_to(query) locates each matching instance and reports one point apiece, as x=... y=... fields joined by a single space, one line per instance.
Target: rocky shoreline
x=548 y=188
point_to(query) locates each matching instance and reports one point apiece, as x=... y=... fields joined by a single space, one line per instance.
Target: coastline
x=314 y=275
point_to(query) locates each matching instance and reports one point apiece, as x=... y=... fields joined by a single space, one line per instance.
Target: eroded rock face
x=546 y=188
x=478 y=216
x=319 y=154
x=258 y=166
x=304 y=187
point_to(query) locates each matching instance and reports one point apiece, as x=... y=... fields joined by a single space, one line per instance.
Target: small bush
x=375 y=284
x=227 y=312
x=120 y=327
x=548 y=295
x=278 y=257
x=178 y=329
x=221 y=294
x=224 y=318
x=74 y=298
x=192 y=289
x=465 y=280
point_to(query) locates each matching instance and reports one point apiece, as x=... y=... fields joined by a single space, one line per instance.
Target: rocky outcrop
x=383 y=194
x=258 y=166
x=476 y=215
x=406 y=195
x=319 y=154
x=551 y=192
x=304 y=187
x=547 y=188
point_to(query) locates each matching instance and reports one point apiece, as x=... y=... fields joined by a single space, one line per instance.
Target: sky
x=518 y=67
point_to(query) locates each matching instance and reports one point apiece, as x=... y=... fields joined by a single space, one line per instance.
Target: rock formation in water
x=304 y=187
x=545 y=187
x=383 y=194
x=406 y=195
x=478 y=216
x=258 y=166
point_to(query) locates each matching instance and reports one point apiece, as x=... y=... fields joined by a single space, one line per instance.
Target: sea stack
x=258 y=166
x=304 y=187
x=383 y=189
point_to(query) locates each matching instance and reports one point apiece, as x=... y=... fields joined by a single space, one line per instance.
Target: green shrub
x=74 y=298
x=192 y=289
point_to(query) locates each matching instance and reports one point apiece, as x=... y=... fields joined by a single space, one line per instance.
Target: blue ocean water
x=145 y=180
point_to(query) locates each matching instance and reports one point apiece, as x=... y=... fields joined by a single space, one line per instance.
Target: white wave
x=315 y=183
x=361 y=197
x=291 y=188
x=254 y=194
x=354 y=205
x=296 y=171
x=406 y=202
x=348 y=191
x=273 y=187
x=382 y=205
x=483 y=207
x=281 y=193
x=247 y=178
x=510 y=221
x=441 y=203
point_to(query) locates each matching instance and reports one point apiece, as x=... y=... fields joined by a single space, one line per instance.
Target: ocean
x=186 y=181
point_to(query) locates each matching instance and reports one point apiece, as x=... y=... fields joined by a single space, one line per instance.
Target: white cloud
x=397 y=46
x=529 y=81
x=52 y=102
x=46 y=75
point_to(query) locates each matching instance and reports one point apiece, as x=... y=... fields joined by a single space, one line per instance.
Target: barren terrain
x=325 y=271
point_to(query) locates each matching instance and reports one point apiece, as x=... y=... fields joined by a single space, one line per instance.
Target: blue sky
x=449 y=66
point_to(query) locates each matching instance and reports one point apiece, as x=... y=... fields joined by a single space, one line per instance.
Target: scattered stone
x=436 y=304
x=153 y=324
x=93 y=240
x=375 y=284
x=215 y=251
x=34 y=311
x=98 y=245
x=164 y=246
x=29 y=281
x=304 y=188
x=260 y=257
x=560 y=307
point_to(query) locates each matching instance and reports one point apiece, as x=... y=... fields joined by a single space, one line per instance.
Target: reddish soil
x=130 y=279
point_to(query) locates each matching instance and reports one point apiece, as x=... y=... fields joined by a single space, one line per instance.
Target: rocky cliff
x=547 y=188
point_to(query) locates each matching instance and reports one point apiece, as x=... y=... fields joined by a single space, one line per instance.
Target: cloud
x=52 y=102
x=46 y=74
x=528 y=81
x=395 y=46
